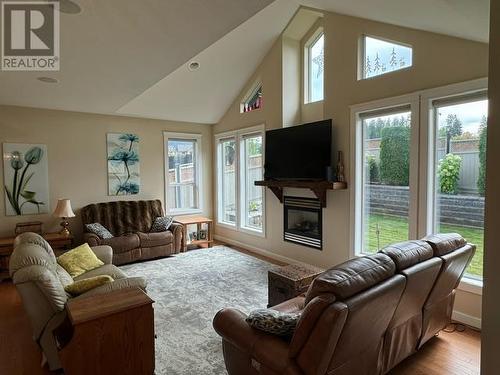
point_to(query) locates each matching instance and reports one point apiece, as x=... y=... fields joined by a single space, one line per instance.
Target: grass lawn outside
x=393 y=229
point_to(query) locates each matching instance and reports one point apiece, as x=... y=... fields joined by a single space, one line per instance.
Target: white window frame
x=357 y=160
x=362 y=56
x=239 y=136
x=422 y=202
x=428 y=147
x=198 y=171
x=220 y=191
x=307 y=71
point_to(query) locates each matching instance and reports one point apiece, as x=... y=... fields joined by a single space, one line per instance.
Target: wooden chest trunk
x=289 y=281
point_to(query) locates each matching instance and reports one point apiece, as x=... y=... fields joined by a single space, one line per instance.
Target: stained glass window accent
x=253 y=101
x=381 y=57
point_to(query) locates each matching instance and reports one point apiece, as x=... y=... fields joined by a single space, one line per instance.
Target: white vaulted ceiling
x=468 y=19
x=205 y=94
x=130 y=57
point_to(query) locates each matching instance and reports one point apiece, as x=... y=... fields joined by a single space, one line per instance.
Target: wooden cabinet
x=112 y=333
x=59 y=243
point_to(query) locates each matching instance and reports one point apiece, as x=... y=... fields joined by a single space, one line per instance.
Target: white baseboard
x=258 y=250
x=469 y=320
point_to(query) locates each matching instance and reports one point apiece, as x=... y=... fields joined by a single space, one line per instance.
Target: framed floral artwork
x=26 y=179
x=123 y=164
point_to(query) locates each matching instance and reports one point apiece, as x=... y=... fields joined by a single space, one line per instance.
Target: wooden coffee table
x=199 y=221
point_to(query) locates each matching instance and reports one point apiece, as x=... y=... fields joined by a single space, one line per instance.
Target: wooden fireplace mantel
x=319 y=188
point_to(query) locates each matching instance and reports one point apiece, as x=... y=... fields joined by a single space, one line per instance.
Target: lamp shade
x=63 y=208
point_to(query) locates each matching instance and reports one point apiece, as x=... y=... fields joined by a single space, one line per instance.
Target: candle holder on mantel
x=340 y=167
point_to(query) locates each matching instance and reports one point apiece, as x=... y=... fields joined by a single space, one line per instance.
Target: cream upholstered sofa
x=40 y=281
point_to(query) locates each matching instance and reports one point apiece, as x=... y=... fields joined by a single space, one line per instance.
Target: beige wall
x=291 y=81
x=269 y=73
x=490 y=360
x=76 y=147
x=431 y=68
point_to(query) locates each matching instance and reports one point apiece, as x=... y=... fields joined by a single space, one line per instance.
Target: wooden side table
x=199 y=221
x=289 y=281
x=111 y=333
x=59 y=243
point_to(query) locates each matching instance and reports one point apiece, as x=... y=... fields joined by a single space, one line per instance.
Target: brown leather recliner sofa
x=130 y=223
x=363 y=316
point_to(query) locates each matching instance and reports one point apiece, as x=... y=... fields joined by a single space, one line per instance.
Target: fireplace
x=303 y=221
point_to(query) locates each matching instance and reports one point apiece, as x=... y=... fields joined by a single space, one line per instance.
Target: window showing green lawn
x=384 y=230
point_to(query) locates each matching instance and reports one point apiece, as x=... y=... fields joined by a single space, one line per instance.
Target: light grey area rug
x=188 y=290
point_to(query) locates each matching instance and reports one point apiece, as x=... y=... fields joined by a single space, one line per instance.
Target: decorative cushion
x=274 y=322
x=444 y=243
x=162 y=223
x=409 y=253
x=79 y=260
x=99 y=230
x=352 y=277
x=84 y=285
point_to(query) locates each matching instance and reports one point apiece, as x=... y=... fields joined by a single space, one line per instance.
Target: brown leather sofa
x=130 y=223
x=363 y=316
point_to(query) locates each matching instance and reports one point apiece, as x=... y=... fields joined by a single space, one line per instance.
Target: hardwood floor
x=455 y=353
x=19 y=354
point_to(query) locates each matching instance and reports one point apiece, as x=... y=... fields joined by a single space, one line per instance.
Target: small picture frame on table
x=203 y=234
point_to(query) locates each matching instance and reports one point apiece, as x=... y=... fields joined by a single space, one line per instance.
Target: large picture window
x=252 y=170
x=227 y=181
x=420 y=168
x=459 y=165
x=386 y=192
x=240 y=204
x=182 y=172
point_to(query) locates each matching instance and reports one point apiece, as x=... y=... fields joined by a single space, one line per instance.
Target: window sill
x=253 y=110
x=244 y=230
x=252 y=232
x=185 y=212
x=226 y=225
x=470 y=285
x=315 y=102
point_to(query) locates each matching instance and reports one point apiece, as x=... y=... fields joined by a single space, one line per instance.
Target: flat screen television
x=302 y=152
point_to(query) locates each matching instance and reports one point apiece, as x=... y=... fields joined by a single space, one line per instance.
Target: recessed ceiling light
x=48 y=80
x=68 y=6
x=193 y=65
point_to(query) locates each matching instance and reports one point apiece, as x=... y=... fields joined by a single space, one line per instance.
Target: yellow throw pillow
x=79 y=260
x=84 y=285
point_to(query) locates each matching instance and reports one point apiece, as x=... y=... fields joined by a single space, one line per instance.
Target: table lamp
x=64 y=211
